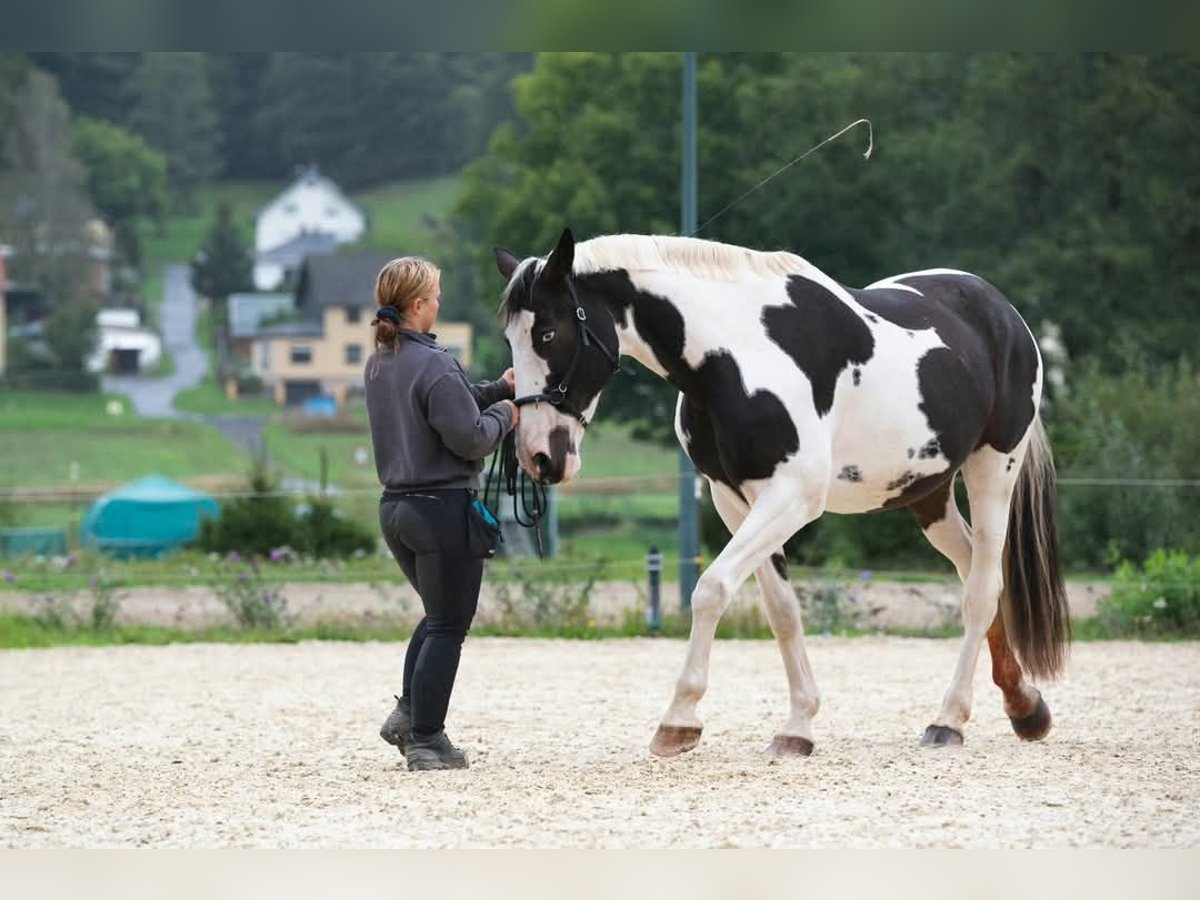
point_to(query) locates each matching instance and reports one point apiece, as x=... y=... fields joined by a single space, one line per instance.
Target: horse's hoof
x=1034 y=726
x=789 y=745
x=942 y=736
x=671 y=740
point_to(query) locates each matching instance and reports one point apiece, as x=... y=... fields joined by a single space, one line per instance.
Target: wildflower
x=865 y=575
x=8 y=576
x=70 y=560
x=278 y=554
x=1160 y=603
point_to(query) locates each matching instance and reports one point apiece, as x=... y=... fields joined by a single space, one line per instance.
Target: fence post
x=654 y=573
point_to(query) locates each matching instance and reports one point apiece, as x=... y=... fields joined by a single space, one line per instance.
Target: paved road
x=154 y=397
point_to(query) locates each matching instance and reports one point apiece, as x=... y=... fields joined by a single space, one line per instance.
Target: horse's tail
x=1034 y=601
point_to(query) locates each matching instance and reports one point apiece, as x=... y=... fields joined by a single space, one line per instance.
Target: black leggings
x=427 y=534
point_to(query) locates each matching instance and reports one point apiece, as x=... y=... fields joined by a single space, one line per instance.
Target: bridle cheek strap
x=557 y=396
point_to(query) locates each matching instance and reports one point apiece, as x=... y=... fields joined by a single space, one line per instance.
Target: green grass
x=209 y=398
x=44 y=432
x=298 y=453
x=397 y=214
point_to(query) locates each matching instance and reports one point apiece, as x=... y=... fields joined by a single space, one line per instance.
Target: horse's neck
x=648 y=332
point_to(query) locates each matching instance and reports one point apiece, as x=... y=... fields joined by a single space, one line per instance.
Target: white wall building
x=312 y=210
x=123 y=347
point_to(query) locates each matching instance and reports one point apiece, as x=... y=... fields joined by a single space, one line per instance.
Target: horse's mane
x=707 y=259
x=662 y=253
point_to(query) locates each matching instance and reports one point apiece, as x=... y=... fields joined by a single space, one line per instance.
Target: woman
x=431 y=430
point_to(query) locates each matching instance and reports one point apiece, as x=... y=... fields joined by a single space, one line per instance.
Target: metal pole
x=689 y=544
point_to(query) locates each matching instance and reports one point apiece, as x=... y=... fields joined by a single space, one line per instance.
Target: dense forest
x=1069 y=180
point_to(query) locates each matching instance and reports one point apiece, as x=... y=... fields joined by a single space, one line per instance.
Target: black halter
x=557 y=396
x=529 y=498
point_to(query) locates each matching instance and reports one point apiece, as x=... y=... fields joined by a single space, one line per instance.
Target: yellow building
x=323 y=350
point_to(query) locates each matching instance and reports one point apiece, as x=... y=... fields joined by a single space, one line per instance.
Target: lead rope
x=528 y=497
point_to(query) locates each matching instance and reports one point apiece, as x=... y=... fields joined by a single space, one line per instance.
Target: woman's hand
x=516 y=411
x=511 y=378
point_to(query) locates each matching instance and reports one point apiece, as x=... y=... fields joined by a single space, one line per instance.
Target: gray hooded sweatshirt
x=430 y=427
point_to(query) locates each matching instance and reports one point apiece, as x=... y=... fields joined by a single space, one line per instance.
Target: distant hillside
x=398 y=217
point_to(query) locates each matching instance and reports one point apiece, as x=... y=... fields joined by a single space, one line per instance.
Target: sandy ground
x=276 y=746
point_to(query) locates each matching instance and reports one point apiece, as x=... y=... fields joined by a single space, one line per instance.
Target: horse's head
x=565 y=351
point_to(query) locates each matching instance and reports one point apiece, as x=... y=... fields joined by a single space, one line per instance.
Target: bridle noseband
x=557 y=396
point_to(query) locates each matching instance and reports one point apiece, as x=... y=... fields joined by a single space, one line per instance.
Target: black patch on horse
x=734 y=436
x=850 y=473
x=991 y=367
x=821 y=333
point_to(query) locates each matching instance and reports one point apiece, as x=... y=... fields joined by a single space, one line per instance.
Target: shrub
x=252 y=603
x=1160 y=598
x=322 y=530
x=255 y=523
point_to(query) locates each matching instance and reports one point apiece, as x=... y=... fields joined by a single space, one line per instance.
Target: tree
x=46 y=217
x=126 y=178
x=222 y=267
x=173 y=111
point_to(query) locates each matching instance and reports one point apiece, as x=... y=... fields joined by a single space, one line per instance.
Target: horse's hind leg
x=783 y=612
x=779 y=511
x=990 y=481
x=943 y=525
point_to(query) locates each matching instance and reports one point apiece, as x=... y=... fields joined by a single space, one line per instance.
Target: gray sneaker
x=398 y=727
x=433 y=753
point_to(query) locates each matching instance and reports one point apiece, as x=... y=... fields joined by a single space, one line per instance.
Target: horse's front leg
x=777 y=513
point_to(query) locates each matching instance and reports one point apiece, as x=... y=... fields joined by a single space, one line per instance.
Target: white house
x=123 y=347
x=311 y=216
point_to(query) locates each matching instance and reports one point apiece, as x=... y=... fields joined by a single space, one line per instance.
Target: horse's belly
x=870 y=471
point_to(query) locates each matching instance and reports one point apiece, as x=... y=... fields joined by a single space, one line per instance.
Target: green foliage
x=264 y=521
x=324 y=531
x=173 y=110
x=1158 y=599
x=1058 y=176
x=532 y=598
x=1112 y=431
x=256 y=523
x=254 y=604
x=126 y=178
x=61 y=612
x=223 y=266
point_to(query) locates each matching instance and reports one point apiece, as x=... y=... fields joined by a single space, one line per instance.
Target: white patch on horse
x=531 y=373
x=878 y=422
x=896 y=281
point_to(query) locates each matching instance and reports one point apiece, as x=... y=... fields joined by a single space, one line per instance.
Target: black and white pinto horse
x=800 y=396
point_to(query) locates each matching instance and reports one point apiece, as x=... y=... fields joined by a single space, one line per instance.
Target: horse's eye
x=548 y=337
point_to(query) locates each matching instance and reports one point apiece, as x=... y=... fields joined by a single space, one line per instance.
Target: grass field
x=44 y=433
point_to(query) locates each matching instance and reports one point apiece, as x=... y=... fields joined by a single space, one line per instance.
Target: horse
x=800 y=396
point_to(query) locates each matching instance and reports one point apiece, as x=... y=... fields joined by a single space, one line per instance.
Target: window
x=353 y=354
x=353 y=314
x=301 y=354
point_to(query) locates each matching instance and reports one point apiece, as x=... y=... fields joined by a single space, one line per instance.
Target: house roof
x=306 y=243
x=247 y=312
x=301 y=328
x=344 y=279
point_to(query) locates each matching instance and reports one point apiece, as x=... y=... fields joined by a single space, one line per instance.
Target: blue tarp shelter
x=147 y=517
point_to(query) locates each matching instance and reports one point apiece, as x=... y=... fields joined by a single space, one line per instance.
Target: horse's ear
x=506 y=261
x=558 y=266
